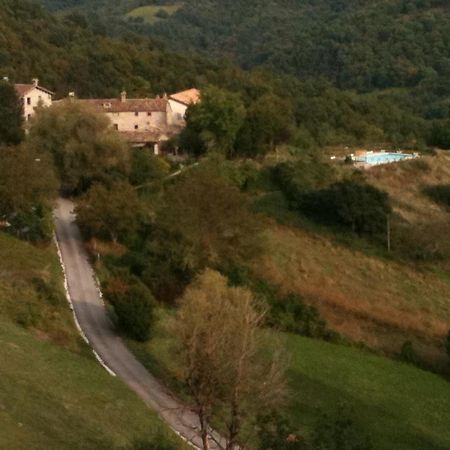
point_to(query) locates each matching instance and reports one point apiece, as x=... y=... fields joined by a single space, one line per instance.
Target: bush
x=146 y=168
x=34 y=225
x=409 y=355
x=288 y=313
x=275 y=433
x=352 y=204
x=133 y=304
x=340 y=432
x=291 y=314
x=440 y=194
x=162 y=14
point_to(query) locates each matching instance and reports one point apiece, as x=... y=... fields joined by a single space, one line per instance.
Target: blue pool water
x=382 y=158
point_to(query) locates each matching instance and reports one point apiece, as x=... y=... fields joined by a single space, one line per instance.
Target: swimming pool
x=374 y=159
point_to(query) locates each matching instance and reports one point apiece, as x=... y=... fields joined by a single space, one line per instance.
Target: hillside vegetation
x=322 y=377
x=53 y=392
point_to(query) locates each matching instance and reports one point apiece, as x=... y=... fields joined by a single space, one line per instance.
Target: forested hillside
x=69 y=55
x=400 y=48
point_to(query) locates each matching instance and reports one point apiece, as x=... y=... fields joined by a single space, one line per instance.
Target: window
x=136 y=127
x=136 y=113
x=149 y=113
x=116 y=126
x=28 y=100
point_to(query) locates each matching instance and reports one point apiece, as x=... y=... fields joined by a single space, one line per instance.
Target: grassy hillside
x=402 y=408
x=53 y=393
x=399 y=406
x=53 y=399
x=365 y=294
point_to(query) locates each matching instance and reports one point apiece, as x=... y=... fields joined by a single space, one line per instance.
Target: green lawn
x=54 y=399
x=148 y=13
x=400 y=406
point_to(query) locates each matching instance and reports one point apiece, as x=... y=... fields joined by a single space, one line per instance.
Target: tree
x=133 y=304
x=27 y=179
x=110 y=212
x=357 y=205
x=84 y=146
x=11 y=116
x=218 y=345
x=146 y=168
x=213 y=216
x=213 y=123
x=269 y=123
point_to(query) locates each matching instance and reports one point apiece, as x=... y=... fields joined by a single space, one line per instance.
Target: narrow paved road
x=99 y=330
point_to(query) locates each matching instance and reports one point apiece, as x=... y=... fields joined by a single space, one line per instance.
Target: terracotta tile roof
x=189 y=97
x=23 y=89
x=115 y=105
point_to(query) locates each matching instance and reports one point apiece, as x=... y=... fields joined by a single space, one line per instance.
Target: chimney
x=35 y=81
x=123 y=96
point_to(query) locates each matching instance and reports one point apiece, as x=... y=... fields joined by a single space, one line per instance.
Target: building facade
x=180 y=102
x=33 y=96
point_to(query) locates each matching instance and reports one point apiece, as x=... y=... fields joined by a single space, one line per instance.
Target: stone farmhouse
x=32 y=96
x=143 y=122
x=146 y=121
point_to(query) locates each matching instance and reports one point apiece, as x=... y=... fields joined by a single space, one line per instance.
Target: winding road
x=98 y=329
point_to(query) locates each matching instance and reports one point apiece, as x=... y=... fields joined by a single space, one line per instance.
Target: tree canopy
x=84 y=147
x=11 y=117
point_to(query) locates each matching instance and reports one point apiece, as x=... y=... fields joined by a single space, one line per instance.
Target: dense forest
x=397 y=49
x=67 y=55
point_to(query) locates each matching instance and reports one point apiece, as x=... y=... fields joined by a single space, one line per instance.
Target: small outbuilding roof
x=189 y=97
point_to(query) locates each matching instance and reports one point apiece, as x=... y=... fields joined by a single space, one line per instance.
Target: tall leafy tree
x=84 y=146
x=110 y=212
x=11 y=117
x=213 y=124
x=213 y=216
x=218 y=343
x=270 y=122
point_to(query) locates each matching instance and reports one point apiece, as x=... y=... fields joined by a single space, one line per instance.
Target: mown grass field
x=149 y=13
x=399 y=406
x=53 y=393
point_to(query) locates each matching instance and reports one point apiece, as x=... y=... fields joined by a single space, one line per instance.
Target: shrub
x=340 y=431
x=162 y=14
x=133 y=305
x=352 y=204
x=291 y=314
x=409 y=355
x=146 y=168
x=275 y=433
x=288 y=313
x=440 y=194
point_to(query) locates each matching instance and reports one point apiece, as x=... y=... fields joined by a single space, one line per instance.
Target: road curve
x=93 y=319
